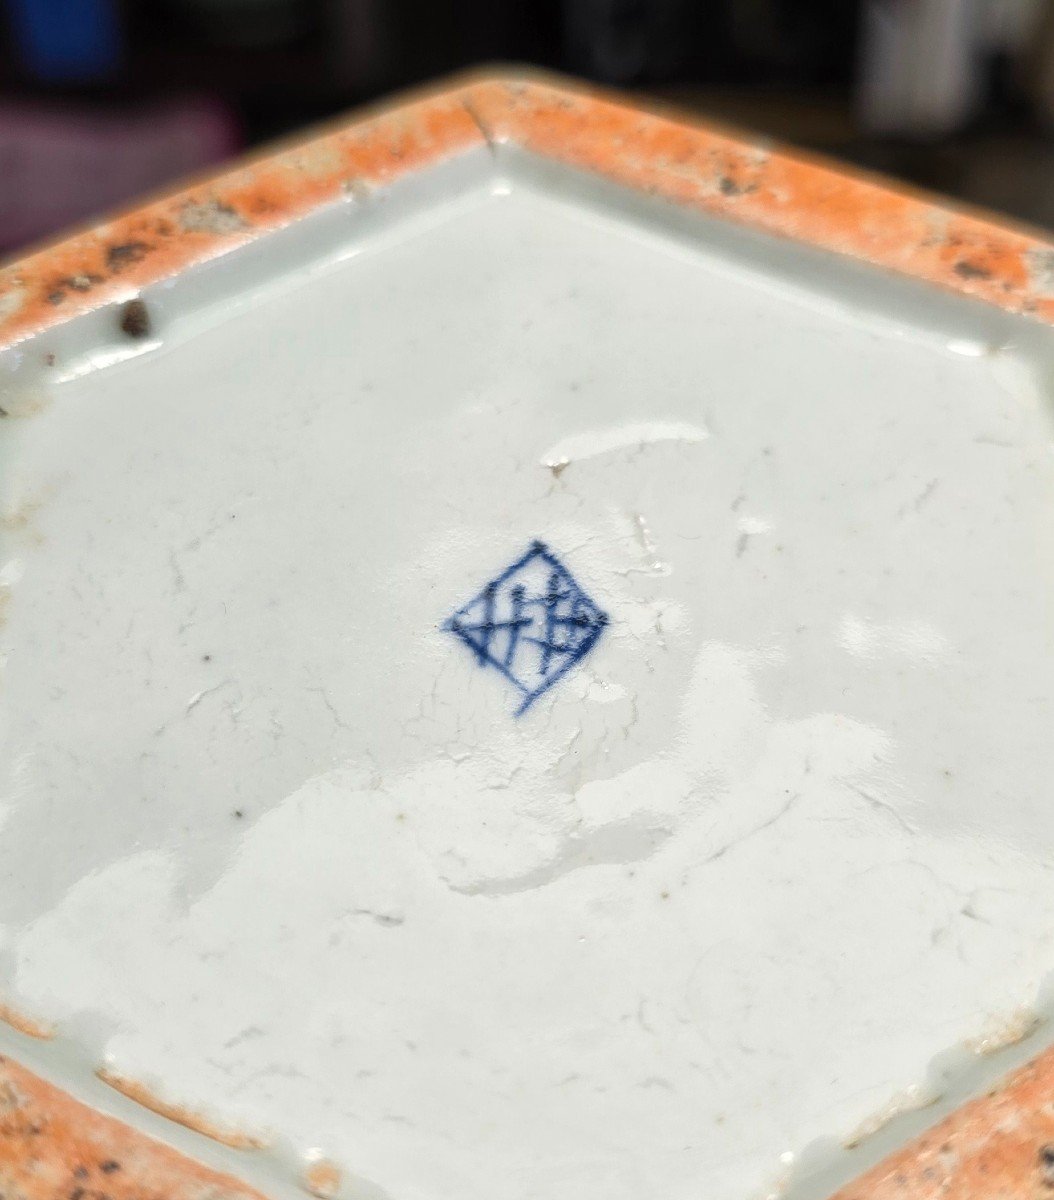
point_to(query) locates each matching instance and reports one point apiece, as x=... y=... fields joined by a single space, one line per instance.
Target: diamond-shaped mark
x=532 y=623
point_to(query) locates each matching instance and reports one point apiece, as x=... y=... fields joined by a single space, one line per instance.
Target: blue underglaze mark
x=532 y=623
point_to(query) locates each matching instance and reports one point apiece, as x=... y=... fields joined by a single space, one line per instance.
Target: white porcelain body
x=276 y=845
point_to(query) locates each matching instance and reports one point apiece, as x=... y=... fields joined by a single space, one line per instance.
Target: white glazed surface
x=727 y=888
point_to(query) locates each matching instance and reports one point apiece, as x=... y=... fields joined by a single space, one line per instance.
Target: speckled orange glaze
x=786 y=194
x=998 y=1147
x=51 y=1146
x=114 y=260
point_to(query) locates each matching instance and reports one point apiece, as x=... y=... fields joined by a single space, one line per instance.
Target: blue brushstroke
x=545 y=633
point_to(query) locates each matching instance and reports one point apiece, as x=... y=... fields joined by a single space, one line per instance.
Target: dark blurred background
x=102 y=100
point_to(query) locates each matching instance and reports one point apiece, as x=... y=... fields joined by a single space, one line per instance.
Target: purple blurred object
x=60 y=164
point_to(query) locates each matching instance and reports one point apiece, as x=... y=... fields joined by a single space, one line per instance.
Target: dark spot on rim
x=80 y=1172
x=1046 y=1162
x=109 y=1166
x=968 y=270
x=730 y=187
x=210 y=216
x=135 y=319
x=57 y=296
x=120 y=256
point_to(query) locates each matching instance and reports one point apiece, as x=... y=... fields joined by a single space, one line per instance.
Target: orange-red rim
x=689 y=164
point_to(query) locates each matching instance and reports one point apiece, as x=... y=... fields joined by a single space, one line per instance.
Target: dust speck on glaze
x=299 y=862
x=135 y=319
